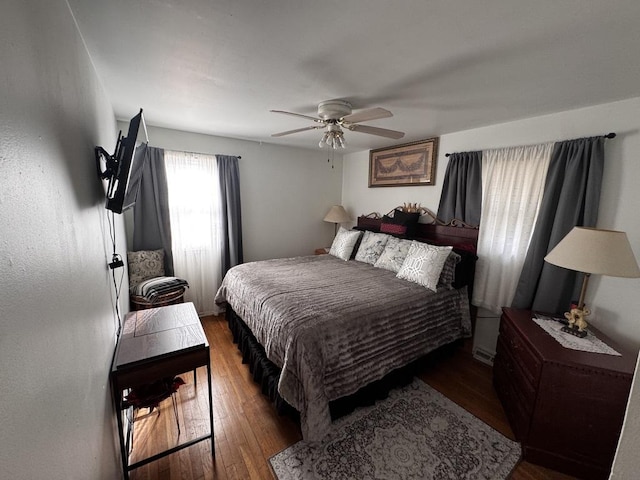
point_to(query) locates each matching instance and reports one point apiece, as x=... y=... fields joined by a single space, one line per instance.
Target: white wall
x=627 y=463
x=285 y=192
x=57 y=321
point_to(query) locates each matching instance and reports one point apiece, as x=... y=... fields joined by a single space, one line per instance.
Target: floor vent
x=483 y=355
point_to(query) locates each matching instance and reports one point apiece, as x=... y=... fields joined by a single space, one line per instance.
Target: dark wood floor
x=248 y=431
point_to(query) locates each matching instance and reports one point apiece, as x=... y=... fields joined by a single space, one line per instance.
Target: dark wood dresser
x=565 y=406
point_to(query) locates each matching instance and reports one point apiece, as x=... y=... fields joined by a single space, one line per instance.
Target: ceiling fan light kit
x=337 y=114
x=333 y=137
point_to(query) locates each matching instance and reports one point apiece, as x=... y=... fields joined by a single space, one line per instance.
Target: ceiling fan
x=334 y=115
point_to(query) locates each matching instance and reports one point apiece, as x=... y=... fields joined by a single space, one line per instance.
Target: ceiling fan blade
x=369 y=114
x=382 y=132
x=315 y=119
x=281 y=134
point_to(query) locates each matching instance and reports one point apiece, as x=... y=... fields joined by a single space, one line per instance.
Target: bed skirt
x=266 y=373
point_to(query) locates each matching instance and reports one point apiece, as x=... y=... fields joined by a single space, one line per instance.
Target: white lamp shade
x=337 y=214
x=592 y=250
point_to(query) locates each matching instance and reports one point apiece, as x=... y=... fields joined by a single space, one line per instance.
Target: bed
x=318 y=329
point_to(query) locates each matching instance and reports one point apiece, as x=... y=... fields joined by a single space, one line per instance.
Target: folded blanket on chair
x=154 y=287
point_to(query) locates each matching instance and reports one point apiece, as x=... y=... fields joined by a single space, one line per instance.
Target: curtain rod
x=202 y=153
x=608 y=135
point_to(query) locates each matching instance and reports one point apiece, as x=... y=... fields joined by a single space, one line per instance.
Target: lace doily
x=590 y=343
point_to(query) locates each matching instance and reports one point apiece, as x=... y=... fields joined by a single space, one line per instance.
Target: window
x=194 y=211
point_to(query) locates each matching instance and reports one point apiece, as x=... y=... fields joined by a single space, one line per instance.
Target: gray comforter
x=335 y=326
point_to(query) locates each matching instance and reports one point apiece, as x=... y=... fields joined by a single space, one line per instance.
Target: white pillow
x=371 y=247
x=343 y=244
x=393 y=255
x=423 y=264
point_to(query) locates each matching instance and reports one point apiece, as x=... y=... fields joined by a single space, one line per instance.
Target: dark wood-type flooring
x=248 y=430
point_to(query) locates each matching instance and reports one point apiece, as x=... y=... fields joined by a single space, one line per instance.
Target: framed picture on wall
x=404 y=165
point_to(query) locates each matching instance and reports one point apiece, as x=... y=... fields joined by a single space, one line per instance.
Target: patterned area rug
x=416 y=433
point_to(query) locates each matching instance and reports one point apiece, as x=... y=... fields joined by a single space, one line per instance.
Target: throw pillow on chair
x=148 y=285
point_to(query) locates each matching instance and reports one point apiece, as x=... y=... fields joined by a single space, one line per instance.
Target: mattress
x=334 y=326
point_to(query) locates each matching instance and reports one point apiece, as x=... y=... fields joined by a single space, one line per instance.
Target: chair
x=148 y=285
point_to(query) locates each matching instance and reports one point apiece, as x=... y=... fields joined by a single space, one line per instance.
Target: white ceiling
x=219 y=66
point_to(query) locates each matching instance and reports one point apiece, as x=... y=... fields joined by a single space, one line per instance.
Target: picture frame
x=410 y=164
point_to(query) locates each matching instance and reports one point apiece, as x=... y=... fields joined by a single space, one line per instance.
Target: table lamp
x=589 y=251
x=337 y=214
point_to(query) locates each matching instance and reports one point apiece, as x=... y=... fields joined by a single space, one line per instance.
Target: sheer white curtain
x=194 y=210
x=512 y=187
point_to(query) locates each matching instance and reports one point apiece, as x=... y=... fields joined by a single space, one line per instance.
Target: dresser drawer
x=517 y=394
x=518 y=404
x=519 y=377
x=514 y=346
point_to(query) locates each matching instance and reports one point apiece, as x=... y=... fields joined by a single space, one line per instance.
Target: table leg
x=117 y=405
x=213 y=446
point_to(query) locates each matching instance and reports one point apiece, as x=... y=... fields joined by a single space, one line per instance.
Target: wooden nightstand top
x=549 y=349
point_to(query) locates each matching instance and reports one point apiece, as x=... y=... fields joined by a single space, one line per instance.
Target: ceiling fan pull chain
x=330 y=156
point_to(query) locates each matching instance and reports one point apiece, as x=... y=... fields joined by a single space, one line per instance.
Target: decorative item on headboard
x=424 y=212
x=410 y=208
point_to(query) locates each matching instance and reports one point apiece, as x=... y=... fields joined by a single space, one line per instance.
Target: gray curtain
x=231 y=212
x=151 y=225
x=461 y=195
x=571 y=198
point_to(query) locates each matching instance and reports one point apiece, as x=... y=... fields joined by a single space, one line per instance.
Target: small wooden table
x=157 y=343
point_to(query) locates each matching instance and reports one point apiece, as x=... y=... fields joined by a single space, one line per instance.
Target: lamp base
x=575 y=331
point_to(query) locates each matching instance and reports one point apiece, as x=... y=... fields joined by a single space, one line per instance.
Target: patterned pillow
x=371 y=247
x=423 y=264
x=393 y=254
x=344 y=242
x=145 y=264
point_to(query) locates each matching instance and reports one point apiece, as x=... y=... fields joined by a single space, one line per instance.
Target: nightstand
x=321 y=251
x=565 y=406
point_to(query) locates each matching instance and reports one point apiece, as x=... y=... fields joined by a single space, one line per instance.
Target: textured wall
x=57 y=321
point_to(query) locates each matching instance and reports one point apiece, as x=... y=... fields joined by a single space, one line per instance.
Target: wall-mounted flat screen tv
x=121 y=171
